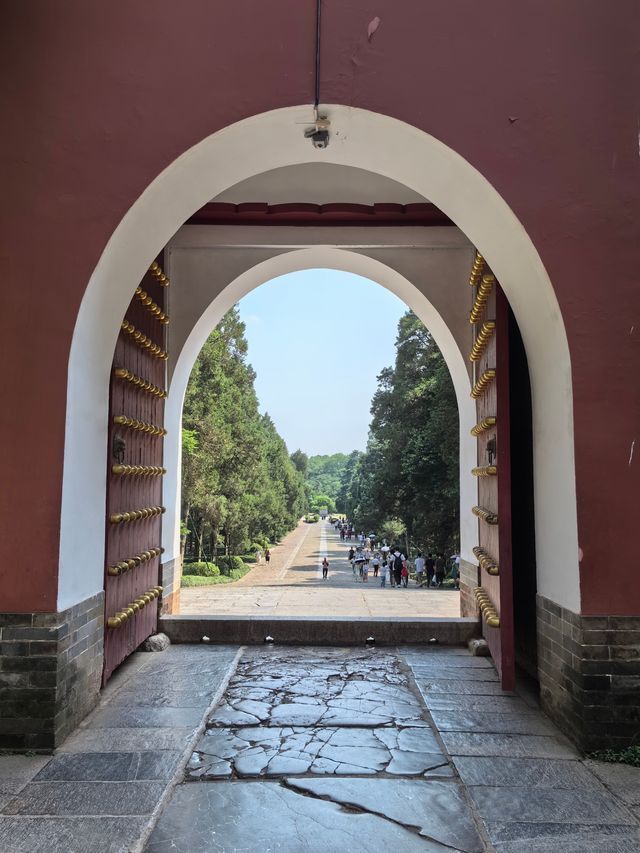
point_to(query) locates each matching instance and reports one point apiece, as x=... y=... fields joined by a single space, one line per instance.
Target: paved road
x=292 y=585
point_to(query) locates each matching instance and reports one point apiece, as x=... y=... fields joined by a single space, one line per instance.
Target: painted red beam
x=259 y=213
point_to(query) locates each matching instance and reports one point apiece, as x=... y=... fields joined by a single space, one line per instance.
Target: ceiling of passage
x=319 y=183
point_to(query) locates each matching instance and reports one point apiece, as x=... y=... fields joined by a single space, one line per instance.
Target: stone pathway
x=317 y=749
x=292 y=585
x=100 y=790
x=299 y=750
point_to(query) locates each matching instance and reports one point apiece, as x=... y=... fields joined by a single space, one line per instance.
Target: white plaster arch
x=365 y=140
x=319 y=257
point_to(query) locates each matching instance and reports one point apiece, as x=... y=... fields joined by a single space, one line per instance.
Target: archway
x=325 y=257
x=361 y=139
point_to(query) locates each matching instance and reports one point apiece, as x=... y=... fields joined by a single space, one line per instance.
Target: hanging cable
x=318 y=13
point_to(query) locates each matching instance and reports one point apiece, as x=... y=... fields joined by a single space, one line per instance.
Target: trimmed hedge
x=229 y=564
x=229 y=569
x=203 y=570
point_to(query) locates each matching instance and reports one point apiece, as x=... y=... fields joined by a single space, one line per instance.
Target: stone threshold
x=320 y=631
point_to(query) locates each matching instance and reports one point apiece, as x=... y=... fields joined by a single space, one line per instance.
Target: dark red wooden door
x=134 y=494
x=490 y=358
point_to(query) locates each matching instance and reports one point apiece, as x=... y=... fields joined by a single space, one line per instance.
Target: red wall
x=99 y=97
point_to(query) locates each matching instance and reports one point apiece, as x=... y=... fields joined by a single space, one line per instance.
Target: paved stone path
x=315 y=749
x=100 y=790
x=292 y=585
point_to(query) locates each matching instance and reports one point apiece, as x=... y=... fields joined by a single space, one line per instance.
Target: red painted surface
x=541 y=98
x=257 y=213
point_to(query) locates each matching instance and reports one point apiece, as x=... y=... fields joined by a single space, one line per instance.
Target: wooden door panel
x=134 y=476
x=490 y=358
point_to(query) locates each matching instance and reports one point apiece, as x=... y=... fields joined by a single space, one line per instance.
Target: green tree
x=240 y=486
x=410 y=469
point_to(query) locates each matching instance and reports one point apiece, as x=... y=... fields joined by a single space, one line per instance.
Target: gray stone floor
x=315 y=749
x=373 y=749
x=100 y=790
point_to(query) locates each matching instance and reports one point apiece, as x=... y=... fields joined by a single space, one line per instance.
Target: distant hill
x=324 y=474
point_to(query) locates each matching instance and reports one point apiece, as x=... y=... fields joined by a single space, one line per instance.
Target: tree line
x=405 y=485
x=240 y=489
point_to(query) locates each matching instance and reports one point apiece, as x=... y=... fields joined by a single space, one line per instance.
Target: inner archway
x=320 y=257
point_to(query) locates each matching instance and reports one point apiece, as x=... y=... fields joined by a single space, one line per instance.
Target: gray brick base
x=50 y=670
x=171 y=577
x=589 y=669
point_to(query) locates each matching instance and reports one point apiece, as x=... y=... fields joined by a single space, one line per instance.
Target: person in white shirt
x=419 y=564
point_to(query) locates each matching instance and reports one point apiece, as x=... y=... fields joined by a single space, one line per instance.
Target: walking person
x=419 y=568
x=267 y=555
x=376 y=564
x=365 y=571
x=398 y=559
x=455 y=570
x=440 y=569
x=384 y=574
x=325 y=568
x=404 y=574
x=430 y=568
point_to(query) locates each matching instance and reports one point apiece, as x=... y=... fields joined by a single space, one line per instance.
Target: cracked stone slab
x=437 y=810
x=525 y=772
x=214 y=817
x=522 y=746
x=273 y=751
x=544 y=805
x=363 y=691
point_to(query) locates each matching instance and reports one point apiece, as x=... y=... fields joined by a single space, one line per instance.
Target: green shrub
x=256 y=546
x=249 y=558
x=629 y=755
x=229 y=575
x=195 y=580
x=203 y=570
x=228 y=564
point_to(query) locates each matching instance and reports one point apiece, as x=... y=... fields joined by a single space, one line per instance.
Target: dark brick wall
x=50 y=670
x=589 y=668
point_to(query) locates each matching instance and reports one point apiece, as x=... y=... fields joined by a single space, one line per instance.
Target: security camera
x=319 y=133
x=319 y=138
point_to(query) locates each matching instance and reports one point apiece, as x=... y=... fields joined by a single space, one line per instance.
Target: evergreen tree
x=240 y=487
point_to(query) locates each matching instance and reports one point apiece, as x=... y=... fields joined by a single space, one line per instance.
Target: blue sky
x=317 y=341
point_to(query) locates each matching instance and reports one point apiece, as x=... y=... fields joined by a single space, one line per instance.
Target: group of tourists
x=391 y=566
